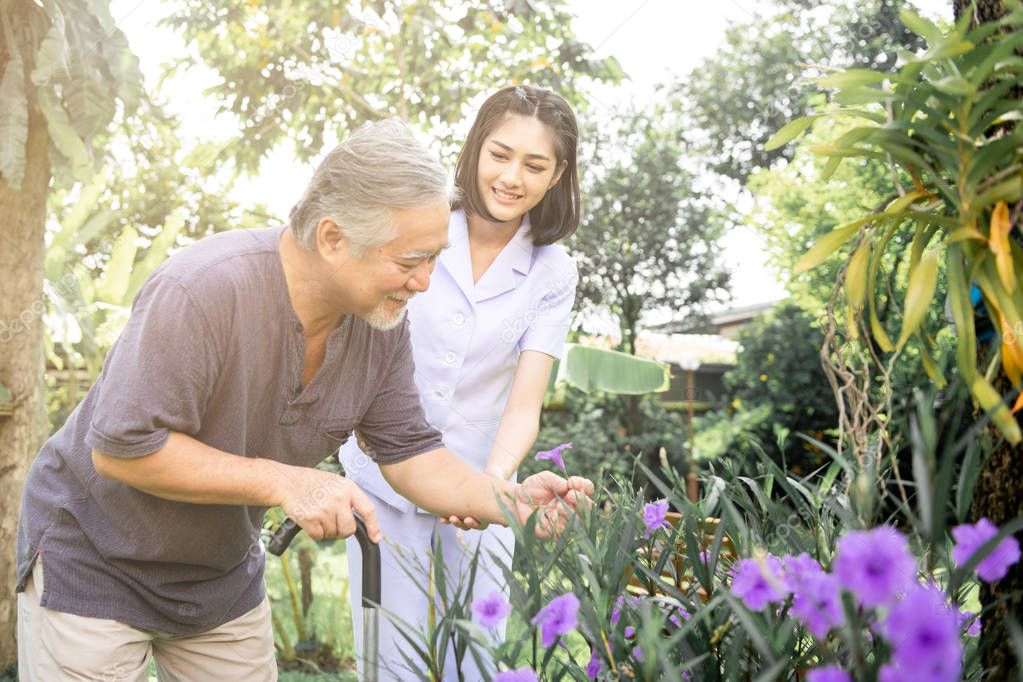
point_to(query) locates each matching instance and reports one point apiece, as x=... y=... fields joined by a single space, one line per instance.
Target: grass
x=327 y=651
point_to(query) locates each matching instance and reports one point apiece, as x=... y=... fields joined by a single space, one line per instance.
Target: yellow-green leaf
x=827 y=245
x=113 y=285
x=907 y=200
x=930 y=367
x=922 y=281
x=962 y=314
x=851 y=78
x=789 y=132
x=998 y=242
x=856 y=275
x=991 y=402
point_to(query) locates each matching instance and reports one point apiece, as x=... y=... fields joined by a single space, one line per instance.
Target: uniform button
x=438 y=394
x=458 y=319
x=450 y=358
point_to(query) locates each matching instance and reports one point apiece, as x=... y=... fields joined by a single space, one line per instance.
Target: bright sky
x=653 y=40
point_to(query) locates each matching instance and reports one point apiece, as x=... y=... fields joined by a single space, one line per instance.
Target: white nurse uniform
x=466 y=339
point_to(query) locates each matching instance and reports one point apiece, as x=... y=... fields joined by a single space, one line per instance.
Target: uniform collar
x=505 y=273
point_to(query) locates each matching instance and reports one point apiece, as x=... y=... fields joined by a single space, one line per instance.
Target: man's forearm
x=443 y=484
x=187 y=470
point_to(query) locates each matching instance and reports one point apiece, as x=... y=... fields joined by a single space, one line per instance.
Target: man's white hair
x=379 y=168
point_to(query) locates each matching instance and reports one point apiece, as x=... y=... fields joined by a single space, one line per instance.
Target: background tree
x=64 y=69
x=649 y=239
x=999 y=492
x=778 y=367
x=947 y=121
x=309 y=73
x=763 y=75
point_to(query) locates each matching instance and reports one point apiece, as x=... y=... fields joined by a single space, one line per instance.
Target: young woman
x=485 y=336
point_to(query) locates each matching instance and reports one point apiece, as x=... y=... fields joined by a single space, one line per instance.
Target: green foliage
x=596 y=369
x=651 y=606
x=648 y=239
x=306 y=73
x=598 y=426
x=779 y=367
x=752 y=86
x=944 y=119
x=108 y=234
x=69 y=59
x=318 y=638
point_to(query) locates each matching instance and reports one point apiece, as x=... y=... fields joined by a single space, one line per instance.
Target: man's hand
x=555 y=497
x=322 y=503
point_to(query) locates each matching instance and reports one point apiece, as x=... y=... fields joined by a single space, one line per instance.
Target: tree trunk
x=999 y=491
x=22 y=221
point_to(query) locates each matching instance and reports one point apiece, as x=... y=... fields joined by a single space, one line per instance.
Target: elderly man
x=248 y=358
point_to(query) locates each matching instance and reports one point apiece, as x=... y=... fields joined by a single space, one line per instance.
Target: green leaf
x=851 y=78
x=962 y=313
x=828 y=244
x=789 y=132
x=156 y=253
x=596 y=369
x=52 y=56
x=991 y=402
x=922 y=280
x=13 y=122
x=64 y=136
x=924 y=28
x=112 y=287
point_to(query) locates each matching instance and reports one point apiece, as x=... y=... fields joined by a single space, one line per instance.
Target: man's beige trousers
x=55 y=646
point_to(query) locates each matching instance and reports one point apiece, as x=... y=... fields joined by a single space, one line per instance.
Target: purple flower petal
x=594 y=667
x=557 y=618
x=555 y=455
x=924 y=633
x=759 y=581
x=969 y=538
x=524 y=674
x=875 y=565
x=818 y=603
x=655 y=516
x=831 y=673
x=492 y=609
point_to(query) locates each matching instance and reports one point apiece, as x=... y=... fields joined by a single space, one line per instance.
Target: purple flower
x=831 y=673
x=818 y=603
x=638 y=654
x=491 y=609
x=924 y=633
x=524 y=674
x=594 y=667
x=678 y=616
x=557 y=618
x=759 y=581
x=798 y=568
x=654 y=515
x=630 y=632
x=875 y=565
x=970 y=538
x=616 y=612
x=555 y=454
x=890 y=673
x=973 y=629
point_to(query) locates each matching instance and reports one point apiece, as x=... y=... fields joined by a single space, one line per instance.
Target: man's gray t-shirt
x=213 y=349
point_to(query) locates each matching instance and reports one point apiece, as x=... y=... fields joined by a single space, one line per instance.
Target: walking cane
x=370 y=588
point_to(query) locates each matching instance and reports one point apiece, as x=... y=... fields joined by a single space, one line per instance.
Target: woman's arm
x=520 y=422
x=519 y=425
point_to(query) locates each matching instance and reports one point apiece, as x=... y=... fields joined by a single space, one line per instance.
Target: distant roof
x=715 y=320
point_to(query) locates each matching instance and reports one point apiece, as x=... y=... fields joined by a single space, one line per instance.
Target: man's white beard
x=381 y=319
